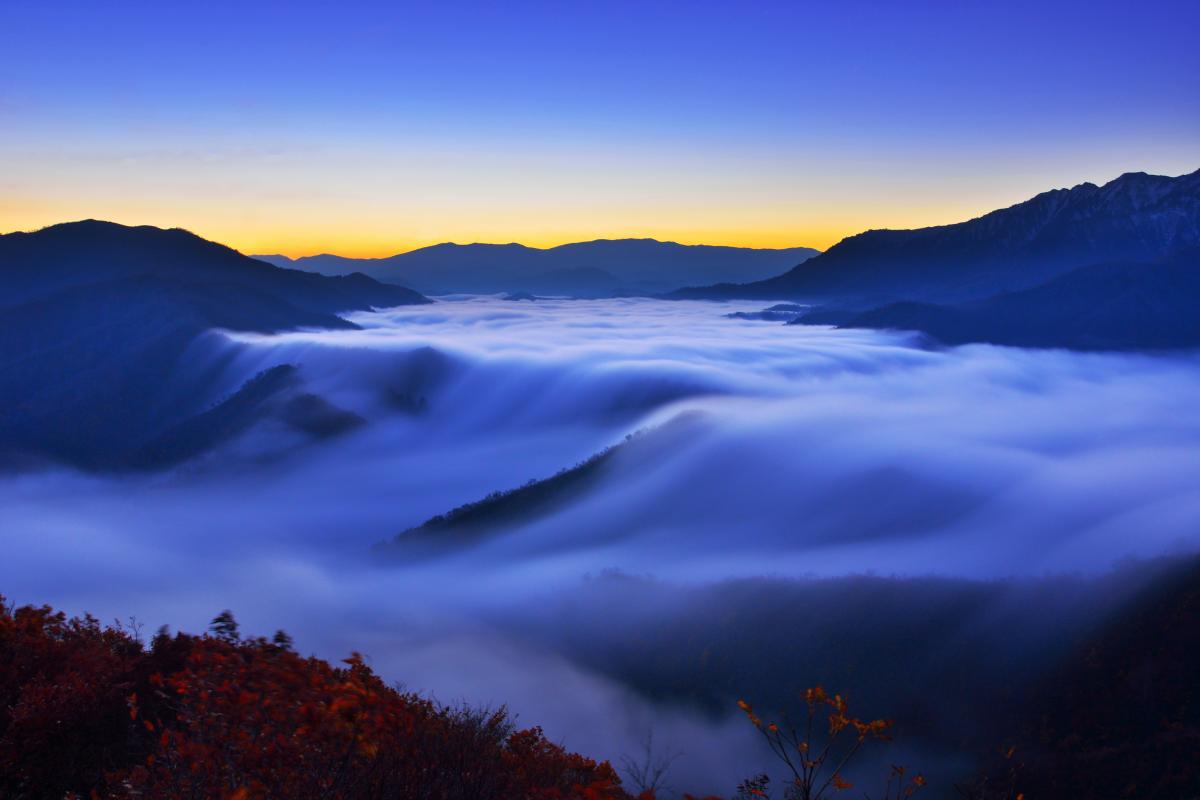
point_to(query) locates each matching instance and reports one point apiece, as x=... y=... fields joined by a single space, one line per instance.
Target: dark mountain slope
x=1118 y=306
x=499 y=512
x=476 y=522
x=1091 y=677
x=1121 y=718
x=97 y=319
x=1137 y=217
x=601 y=267
x=441 y=268
x=653 y=265
x=81 y=253
x=276 y=393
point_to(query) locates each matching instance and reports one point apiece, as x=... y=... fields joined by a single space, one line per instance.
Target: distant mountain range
x=97 y=316
x=1098 y=267
x=1136 y=217
x=96 y=319
x=600 y=268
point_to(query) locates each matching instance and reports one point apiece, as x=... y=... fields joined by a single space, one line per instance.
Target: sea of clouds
x=796 y=452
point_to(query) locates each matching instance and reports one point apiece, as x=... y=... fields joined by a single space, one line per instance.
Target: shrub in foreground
x=817 y=751
x=86 y=710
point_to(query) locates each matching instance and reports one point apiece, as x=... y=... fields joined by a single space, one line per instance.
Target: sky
x=370 y=128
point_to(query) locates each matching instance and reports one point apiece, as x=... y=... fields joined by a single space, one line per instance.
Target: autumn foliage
x=818 y=750
x=87 y=710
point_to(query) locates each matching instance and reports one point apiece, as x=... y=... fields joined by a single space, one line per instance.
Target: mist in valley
x=796 y=505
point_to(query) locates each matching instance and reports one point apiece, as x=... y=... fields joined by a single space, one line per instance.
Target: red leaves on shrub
x=87 y=710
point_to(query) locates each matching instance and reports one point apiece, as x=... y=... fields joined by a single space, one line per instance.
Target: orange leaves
x=754 y=719
x=817 y=757
x=238 y=718
x=756 y=786
x=368 y=749
x=815 y=696
x=913 y=787
x=68 y=696
x=877 y=729
x=601 y=789
x=261 y=716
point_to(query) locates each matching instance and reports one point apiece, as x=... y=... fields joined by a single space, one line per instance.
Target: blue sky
x=369 y=128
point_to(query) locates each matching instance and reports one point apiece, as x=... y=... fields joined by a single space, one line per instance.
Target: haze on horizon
x=370 y=129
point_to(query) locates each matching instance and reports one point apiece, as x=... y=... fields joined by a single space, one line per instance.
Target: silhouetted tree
x=224 y=627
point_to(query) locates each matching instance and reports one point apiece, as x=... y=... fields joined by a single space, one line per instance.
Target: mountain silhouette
x=97 y=319
x=502 y=511
x=1116 y=306
x=1134 y=218
x=77 y=254
x=604 y=267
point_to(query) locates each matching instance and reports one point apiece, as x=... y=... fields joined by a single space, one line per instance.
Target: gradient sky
x=371 y=128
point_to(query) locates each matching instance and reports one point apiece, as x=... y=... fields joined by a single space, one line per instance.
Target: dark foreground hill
x=600 y=268
x=1090 y=680
x=96 y=320
x=1121 y=718
x=88 y=711
x=1116 y=714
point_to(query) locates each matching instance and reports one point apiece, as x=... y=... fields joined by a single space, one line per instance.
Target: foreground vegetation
x=88 y=711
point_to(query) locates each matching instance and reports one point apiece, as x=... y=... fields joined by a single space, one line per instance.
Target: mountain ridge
x=72 y=254
x=634 y=265
x=98 y=320
x=1111 y=306
x=1134 y=217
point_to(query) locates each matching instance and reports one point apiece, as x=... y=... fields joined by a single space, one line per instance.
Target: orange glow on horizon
x=308 y=245
x=376 y=241
x=350 y=205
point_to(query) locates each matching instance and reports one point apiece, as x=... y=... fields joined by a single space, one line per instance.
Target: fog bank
x=799 y=452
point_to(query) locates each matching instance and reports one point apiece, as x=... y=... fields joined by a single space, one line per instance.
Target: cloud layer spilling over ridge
x=794 y=451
